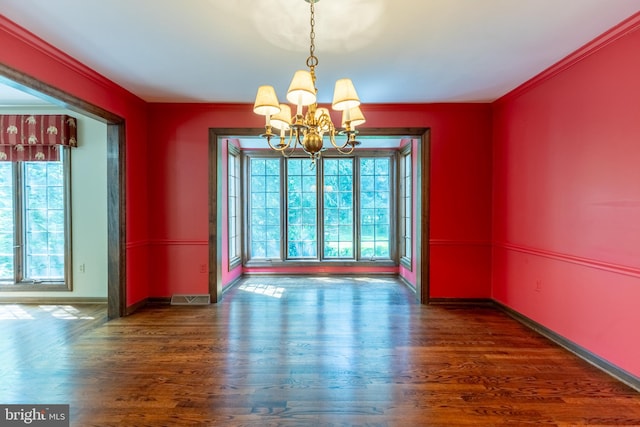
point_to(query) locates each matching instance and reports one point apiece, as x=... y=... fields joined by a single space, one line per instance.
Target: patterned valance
x=31 y=137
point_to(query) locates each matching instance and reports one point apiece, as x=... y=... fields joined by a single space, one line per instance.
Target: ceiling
x=12 y=97
x=395 y=51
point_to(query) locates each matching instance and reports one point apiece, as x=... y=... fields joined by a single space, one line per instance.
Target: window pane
x=375 y=207
x=258 y=249
x=44 y=220
x=331 y=234
x=382 y=249
x=6 y=221
x=55 y=198
x=346 y=199
x=338 y=208
x=38 y=266
x=331 y=217
x=367 y=166
x=367 y=250
x=273 y=199
x=302 y=209
x=382 y=167
x=346 y=217
x=258 y=233
x=345 y=249
x=258 y=167
x=330 y=199
x=273 y=219
x=367 y=199
x=367 y=184
x=56 y=265
x=36 y=174
x=265 y=208
x=258 y=184
x=295 y=217
x=258 y=199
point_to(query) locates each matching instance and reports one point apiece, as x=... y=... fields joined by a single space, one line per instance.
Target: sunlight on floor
x=66 y=312
x=326 y=279
x=268 y=290
x=366 y=279
x=372 y=280
x=14 y=312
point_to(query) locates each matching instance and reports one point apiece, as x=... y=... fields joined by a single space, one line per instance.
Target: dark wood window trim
x=421 y=255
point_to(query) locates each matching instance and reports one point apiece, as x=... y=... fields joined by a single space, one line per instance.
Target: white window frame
x=392 y=260
x=20 y=282
x=234 y=206
x=405 y=207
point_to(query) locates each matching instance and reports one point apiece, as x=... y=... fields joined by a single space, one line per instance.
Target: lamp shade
x=301 y=90
x=282 y=120
x=344 y=95
x=266 y=101
x=354 y=115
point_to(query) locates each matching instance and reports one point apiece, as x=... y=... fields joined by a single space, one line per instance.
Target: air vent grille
x=181 y=299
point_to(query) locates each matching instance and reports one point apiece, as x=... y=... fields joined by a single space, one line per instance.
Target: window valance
x=32 y=137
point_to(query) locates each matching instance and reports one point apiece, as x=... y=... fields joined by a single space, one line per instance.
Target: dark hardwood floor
x=302 y=352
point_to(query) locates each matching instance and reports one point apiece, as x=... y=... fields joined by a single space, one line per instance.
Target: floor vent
x=180 y=299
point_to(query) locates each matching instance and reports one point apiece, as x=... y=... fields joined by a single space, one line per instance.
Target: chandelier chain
x=312 y=60
x=307 y=129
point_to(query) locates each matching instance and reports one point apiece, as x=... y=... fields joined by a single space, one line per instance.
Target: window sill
x=406 y=263
x=38 y=287
x=234 y=263
x=316 y=263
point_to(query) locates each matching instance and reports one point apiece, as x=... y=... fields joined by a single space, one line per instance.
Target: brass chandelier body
x=307 y=130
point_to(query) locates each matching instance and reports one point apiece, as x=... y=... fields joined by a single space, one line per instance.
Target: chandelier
x=307 y=129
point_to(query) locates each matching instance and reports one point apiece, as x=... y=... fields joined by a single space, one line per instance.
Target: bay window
x=341 y=209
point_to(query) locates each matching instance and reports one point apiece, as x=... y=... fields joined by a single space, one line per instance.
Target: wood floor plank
x=302 y=351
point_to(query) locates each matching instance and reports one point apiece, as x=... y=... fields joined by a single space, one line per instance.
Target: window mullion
x=284 y=182
x=19 y=215
x=357 y=253
x=68 y=249
x=320 y=211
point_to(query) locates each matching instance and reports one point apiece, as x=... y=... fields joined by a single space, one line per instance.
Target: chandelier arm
x=288 y=149
x=341 y=149
x=280 y=147
x=325 y=124
x=338 y=146
x=296 y=142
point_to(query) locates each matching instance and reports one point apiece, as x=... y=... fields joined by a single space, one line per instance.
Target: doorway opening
x=222 y=271
x=116 y=221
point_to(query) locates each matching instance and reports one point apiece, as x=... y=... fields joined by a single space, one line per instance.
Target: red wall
x=167 y=175
x=460 y=190
x=566 y=187
x=566 y=204
x=34 y=57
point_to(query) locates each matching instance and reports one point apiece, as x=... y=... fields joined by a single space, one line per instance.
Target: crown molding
x=624 y=28
x=43 y=47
